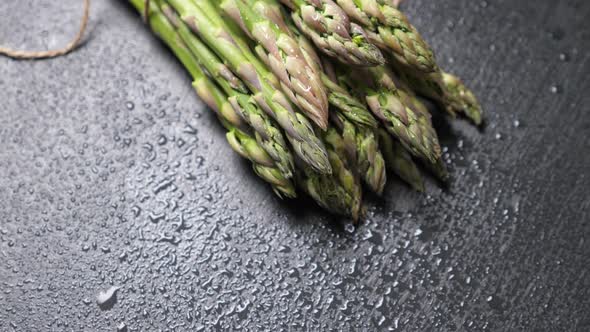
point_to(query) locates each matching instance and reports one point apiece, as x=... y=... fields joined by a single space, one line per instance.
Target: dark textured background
x=113 y=173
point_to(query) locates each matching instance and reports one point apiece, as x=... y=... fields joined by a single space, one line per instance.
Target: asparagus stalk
x=357 y=126
x=300 y=81
x=338 y=96
x=439 y=168
x=344 y=103
x=349 y=115
x=275 y=144
x=298 y=129
x=352 y=118
x=247 y=146
x=328 y=26
x=340 y=192
x=399 y=161
x=447 y=90
x=346 y=175
x=463 y=100
x=213 y=10
x=394 y=107
x=328 y=193
x=389 y=29
x=363 y=150
x=244 y=144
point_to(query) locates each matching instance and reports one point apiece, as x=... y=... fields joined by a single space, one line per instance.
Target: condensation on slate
x=113 y=173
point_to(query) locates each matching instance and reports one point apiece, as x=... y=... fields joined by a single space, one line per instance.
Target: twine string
x=32 y=55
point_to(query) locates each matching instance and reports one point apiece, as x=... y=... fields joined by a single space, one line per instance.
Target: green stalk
x=339 y=193
x=389 y=29
x=439 y=168
x=243 y=103
x=462 y=98
x=349 y=106
x=247 y=146
x=447 y=90
x=299 y=81
x=395 y=108
x=399 y=161
x=348 y=114
x=328 y=26
x=363 y=150
x=298 y=129
x=357 y=126
x=213 y=10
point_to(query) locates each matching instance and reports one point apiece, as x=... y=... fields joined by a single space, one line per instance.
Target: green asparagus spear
x=399 y=161
x=214 y=13
x=394 y=107
x=439 y=168
x=243 y=103
x=390 y=30
x=357 y=126
x=249 y=148
x=328 y=26
x=340 y=192
x=446 y=90
x=363 y=151
x=300 y=81
x=349 y=115
x=243 y=143
x=463 y=99
x=298 y=129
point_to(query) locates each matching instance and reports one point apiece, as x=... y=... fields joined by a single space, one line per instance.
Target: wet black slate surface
x=112 y=173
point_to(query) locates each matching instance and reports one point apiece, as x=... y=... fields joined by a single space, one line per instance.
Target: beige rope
x=29 y=55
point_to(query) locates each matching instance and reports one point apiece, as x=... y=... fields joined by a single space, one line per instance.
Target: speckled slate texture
x=112 y=173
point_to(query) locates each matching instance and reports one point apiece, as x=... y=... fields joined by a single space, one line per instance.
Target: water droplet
x=130 y=105
x=555 y=89
x=285 y=249
x=368 y=235
x=564 y=57
x=122 y=328
x=349 y=228
x=155 y=218
x=107 y=297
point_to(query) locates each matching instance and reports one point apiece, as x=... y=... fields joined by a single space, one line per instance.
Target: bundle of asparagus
x=322 y=122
